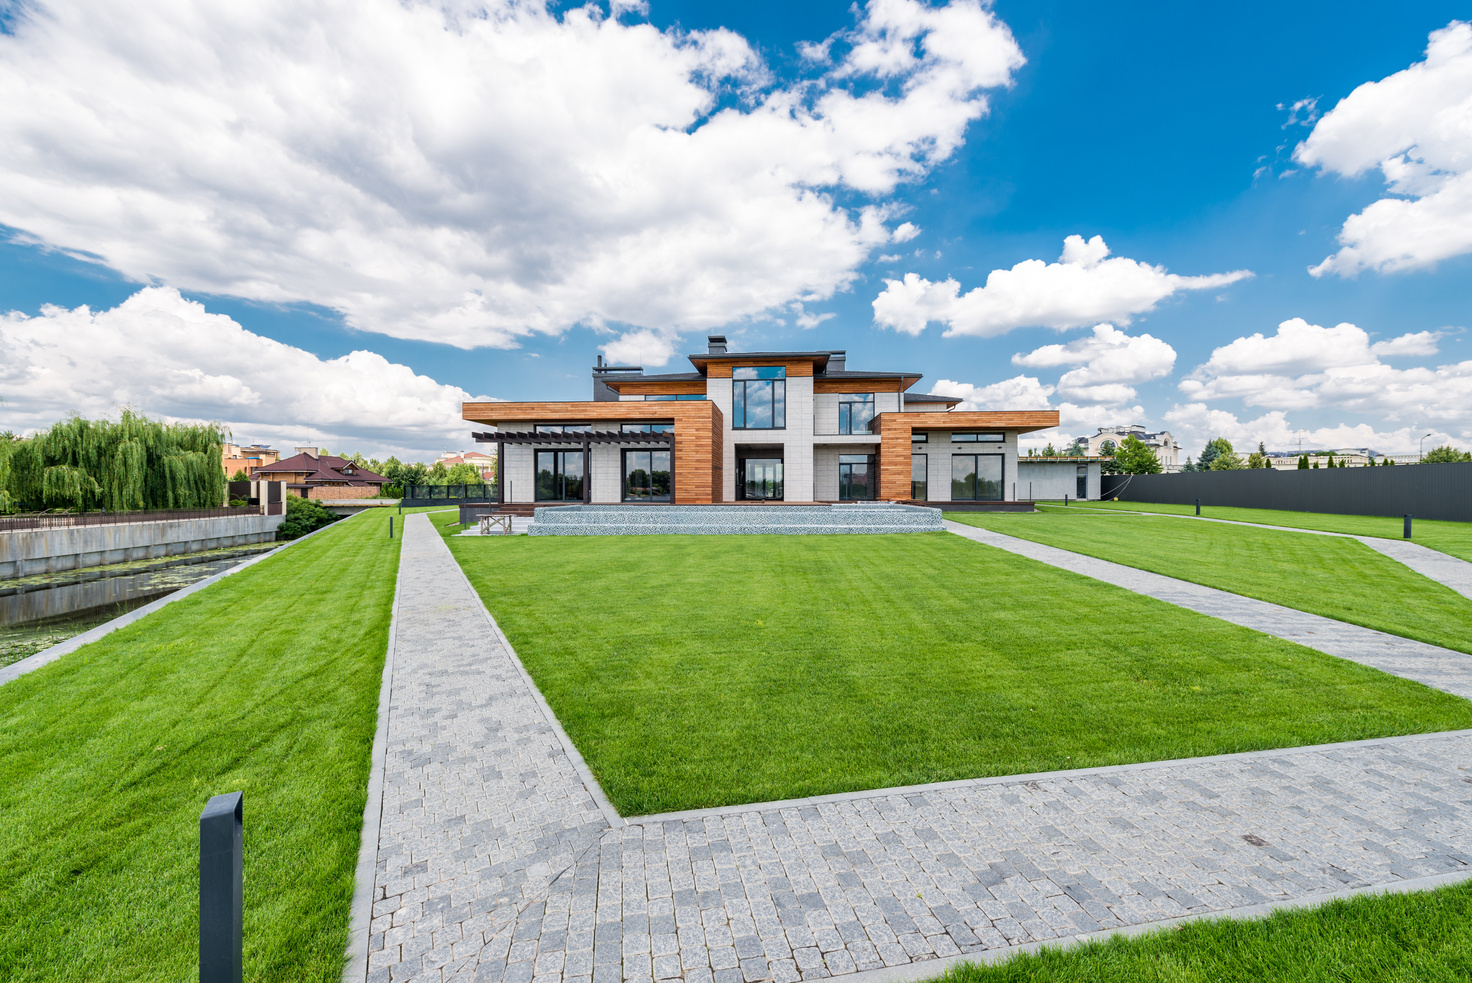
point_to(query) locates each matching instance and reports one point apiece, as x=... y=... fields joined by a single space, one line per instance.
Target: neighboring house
x=311 y=474
x=485 y=464
x=1358 y=457
x=1167 y=451
x=237 y=458
x=773 y=426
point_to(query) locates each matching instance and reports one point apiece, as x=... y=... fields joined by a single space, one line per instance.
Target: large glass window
x=976 y=477
x=564 y=427
x=974 y=438
x=646 y=476
x=920 y=437
x=918 y=490
x=855 y=477
x=647 y=428
x=855 y=412
x=761 y=478
x=559 y=476
x=1082 y=473
x=667 y=398
x=759 y=398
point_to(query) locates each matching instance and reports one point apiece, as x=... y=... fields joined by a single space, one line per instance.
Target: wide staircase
x=737 y=520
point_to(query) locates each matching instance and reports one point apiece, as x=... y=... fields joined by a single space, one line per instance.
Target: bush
x=304 y=515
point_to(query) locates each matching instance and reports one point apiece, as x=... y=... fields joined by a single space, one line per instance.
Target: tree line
x=121 y=465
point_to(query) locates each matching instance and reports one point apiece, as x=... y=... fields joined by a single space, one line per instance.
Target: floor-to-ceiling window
x=559 y=476
x=976 y=477
x=761 y=478
x=759 y=397
x=855 y=412
x=646 y=476
x=1082 y=473
x=855 y=477
x=919 y=489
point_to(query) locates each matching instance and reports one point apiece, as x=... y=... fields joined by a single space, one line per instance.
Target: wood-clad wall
x=698 y=426
x=895 y=429
x=720 y=368
x=822 y=385
x=692 y=388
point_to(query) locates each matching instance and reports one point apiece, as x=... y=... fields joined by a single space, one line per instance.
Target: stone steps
x=733 y=520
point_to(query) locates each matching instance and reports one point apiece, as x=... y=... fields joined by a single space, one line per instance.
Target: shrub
x=304 y=515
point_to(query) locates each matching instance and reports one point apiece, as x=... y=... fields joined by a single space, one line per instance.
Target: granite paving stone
x=496 y=863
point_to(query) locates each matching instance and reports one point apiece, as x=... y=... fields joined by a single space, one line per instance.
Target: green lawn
x=1338 y=578
x=266 y=682
x=1454 y=538
x=1398 y=938
x=708 y=670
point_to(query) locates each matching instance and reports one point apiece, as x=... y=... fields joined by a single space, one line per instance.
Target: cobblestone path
x=1433 y=665
x=495 y=861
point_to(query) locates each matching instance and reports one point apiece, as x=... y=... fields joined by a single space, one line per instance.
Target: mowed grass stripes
x=697 y=671
x=266 y=682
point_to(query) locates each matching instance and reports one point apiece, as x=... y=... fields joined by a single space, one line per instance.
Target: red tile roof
x=323 y=470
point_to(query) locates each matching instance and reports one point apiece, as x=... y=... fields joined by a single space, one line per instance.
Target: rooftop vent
x=717 y=343
x=836 y=361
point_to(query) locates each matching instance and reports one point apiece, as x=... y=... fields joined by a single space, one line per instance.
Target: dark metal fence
x=1427 y=491
x=437 y=494
x=65 y=520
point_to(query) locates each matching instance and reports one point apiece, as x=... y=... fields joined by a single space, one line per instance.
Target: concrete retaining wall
x=36 y=551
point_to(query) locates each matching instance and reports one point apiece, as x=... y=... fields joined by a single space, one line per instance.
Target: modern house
x=234 y=457
x=311 y=474
x=762 y=426
x=1167 y=451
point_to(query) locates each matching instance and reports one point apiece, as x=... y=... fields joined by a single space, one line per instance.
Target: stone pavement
x=496 y=862
x=1433 y=665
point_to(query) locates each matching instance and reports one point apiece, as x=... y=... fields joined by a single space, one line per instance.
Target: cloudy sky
x=329 y=221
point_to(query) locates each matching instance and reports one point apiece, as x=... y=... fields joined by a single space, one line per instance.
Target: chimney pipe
x=716 y=343
x=836 y=361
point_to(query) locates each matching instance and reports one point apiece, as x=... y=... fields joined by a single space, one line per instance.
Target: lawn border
x=46 y=656
x=585 y=774
x=365 y=877
x=932 y=968
x=1040 y=776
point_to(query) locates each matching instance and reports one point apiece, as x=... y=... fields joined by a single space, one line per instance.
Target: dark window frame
x=870 y=473
x=977 y=479
x=652 y=426
x=978 y=437
x=846 y=403
x=562 y=428
x=559 y=474
x=747 y=379
x=651 y=471
x=923 y=485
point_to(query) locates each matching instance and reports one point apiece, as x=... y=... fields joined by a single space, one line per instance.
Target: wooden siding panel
x=720 y=368
x=698 y=426
x=894 y=431
x=821 y=385
x=693 y=388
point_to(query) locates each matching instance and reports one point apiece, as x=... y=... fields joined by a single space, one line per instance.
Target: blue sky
x=1161 y=128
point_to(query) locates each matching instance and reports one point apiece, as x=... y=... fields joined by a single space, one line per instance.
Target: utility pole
x=1423 y=449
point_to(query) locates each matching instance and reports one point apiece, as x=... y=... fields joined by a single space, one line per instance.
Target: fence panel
x=64 y=520
x=1427 y=491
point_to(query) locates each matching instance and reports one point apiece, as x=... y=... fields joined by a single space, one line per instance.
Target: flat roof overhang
x=576 y=438
x=1021 y=421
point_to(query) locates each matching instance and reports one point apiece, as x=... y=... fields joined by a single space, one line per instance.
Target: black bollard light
x=390 y=527
x=1198 y=506
x=221 y=854
x=1406 y=534
x=1065 y=498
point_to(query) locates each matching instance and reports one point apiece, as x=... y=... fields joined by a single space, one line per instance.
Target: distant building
x=1357 y=457
x=1167 y=451
x=311 y=474
x=484 y=464
x=235 y=458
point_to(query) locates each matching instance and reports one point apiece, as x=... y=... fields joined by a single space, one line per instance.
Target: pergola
x=584 y=439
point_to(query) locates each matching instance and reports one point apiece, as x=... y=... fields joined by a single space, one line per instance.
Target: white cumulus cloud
x=1307 y=366
x=1416 y=127
x=1108 y=363
x=472 y=171
x=1083 y=287
x=168 y=356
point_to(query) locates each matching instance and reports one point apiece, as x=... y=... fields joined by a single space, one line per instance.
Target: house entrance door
x=762 y=479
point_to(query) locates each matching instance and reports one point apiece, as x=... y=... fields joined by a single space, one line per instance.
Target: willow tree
x=130 y=463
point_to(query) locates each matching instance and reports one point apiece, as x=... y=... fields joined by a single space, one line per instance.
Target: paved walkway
x=496 y=862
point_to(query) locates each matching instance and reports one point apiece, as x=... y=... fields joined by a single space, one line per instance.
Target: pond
x=41 y=611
